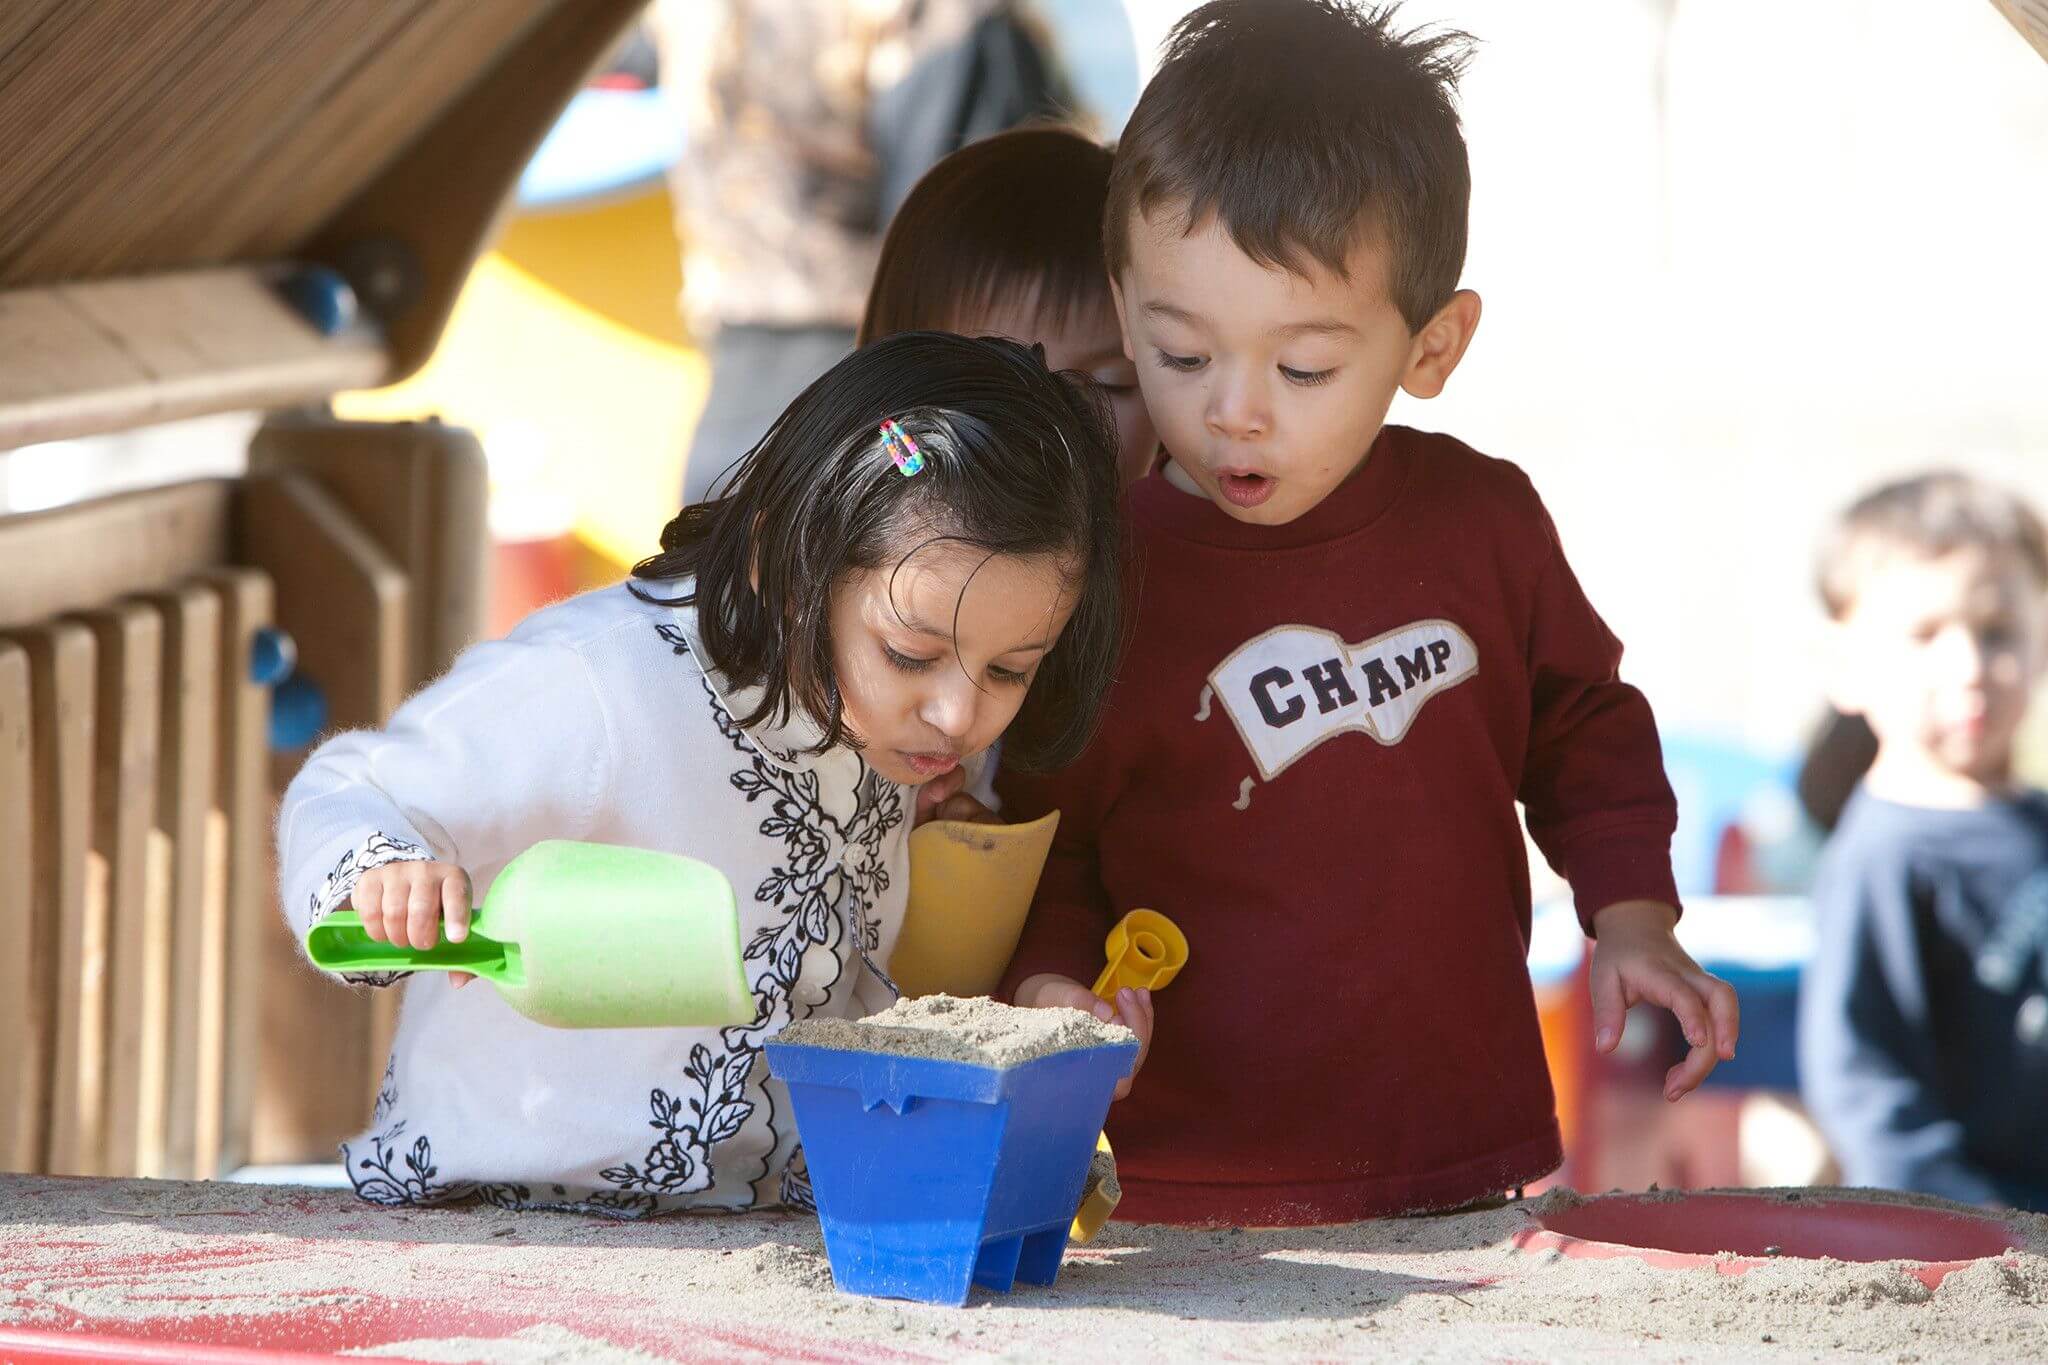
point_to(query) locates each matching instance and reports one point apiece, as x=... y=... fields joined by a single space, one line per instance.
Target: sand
x=227 y=1264
x=947 y=1028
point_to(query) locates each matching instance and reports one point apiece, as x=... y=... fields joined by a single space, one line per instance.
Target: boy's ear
x=1440 y=345
x=1123 y=327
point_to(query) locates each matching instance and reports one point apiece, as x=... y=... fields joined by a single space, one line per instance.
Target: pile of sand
x=234 y=1264
x=950 y=1029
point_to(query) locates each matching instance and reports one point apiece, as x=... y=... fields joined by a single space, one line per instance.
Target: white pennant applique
x=1293 y=687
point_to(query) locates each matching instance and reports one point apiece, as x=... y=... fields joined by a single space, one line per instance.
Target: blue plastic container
x=932 y=1176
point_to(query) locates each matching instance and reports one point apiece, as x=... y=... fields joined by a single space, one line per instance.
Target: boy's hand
x=404 y=904
x=1637 y=958
x=1133 y=1010
x=942 y=798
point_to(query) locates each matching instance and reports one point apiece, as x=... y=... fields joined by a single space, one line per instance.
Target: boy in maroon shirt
x=1358 y=646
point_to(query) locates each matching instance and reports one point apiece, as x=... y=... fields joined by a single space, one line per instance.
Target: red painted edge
x=27 y=1346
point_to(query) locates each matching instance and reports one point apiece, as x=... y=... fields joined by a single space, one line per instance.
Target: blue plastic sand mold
x=933 y=1176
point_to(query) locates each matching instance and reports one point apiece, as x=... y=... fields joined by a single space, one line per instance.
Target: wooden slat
x=468 y=161
x=129 y=637
x=185 y=787
x=420 y=489
x=245 y=803
x=2030 y=17
x=342 y=597
x=368 y=121
x=83 y=556
x=345 y=602
x=106 y=355
x=127 y=203
x=70 y=926
x=22 y=1079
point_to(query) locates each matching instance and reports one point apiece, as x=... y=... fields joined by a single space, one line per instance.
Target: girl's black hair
x=1018 y=460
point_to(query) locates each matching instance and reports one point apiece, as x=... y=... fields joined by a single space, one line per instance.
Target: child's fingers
x=1610 y=1009
x=368 y=899
x=455 y=905
x=460 y=979
x=1662 y=986
x=1725 y=1008
x=422 y=909
x=1685 y=1078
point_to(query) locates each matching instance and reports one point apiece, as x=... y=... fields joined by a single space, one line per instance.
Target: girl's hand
x=404 y=903
x=942 y=798
x=1133 y=1009
x=1637 y=958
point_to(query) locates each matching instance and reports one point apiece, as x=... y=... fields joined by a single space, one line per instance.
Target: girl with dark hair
x=923 y=553
x=1004 y=238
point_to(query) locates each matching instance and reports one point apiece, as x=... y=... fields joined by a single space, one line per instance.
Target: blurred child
x=1004 y=238
x=923 y=553
x=1924 y=1016
x=1358 y=646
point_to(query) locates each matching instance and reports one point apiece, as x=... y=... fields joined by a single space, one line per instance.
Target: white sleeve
x=509 y=747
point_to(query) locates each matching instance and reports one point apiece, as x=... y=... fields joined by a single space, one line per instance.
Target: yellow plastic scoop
x=970 y=889
x=1145 y=951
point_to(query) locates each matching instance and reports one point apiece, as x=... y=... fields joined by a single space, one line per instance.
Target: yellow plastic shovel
x=1145 y=951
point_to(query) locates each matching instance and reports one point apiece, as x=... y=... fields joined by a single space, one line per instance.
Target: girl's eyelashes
x=907 y=663
x=1184 y=364
x=1306 y=378
x=910 y=663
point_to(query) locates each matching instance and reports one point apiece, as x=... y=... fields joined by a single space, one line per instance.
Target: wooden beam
x=2030 y=17
x=468 y=163
x=107 y=355
x=86 y=555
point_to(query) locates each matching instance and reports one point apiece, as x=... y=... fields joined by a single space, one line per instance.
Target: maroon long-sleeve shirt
x=1310 y=762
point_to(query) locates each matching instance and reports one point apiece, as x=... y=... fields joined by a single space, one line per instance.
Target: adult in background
x=807 y=122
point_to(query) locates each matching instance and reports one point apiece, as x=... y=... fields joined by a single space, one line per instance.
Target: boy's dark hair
x=1018 y=460
x=1015 y=217
x=1305 y=126
x=1927 y=516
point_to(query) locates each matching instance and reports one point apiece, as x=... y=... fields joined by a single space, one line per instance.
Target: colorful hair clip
x=902 y=449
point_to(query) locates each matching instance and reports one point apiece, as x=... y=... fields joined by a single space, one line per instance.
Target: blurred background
x=1740 y=260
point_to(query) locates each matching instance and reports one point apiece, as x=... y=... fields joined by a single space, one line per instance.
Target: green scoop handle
x=339 y=943
x=578 y=935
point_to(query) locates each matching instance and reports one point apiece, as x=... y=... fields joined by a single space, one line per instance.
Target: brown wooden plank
x=364 y=122
x=344 y=601
x=247 y=605
x=107 y=355
x=86 y=555
x=22 y=1079
x=466 y=164
x=185 y=787
x=420 y=489
x=342 y=597
x=129 y=637
x=2030 y=17
x=70 y=925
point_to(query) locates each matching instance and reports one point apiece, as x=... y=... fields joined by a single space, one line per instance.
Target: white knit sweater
x=597 y=719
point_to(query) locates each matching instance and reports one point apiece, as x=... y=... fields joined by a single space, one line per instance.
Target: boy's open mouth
x=1246 y=490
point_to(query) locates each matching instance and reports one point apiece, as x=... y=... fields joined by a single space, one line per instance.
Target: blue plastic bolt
x=320 y=296
x=298 y=712
x=273 y=654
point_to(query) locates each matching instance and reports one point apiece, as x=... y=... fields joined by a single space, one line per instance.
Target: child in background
x=1004 y=238
x=1923 y=1039
x=1357 y=647
x=766 y=695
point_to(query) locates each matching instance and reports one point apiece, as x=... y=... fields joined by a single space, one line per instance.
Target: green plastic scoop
x=581 y=935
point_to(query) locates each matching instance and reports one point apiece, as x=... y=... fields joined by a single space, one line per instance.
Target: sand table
x=317 y=1270
x=947 y=1028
